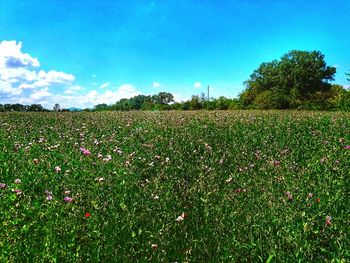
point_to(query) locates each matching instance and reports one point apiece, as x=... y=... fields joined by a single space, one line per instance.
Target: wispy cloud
x=105 y=85
x=156 y=85
x=197 y=85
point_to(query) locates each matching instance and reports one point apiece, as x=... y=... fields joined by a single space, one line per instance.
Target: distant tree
x=101 y=107
x=138 y=101
x=56 y=107
x=36 y=108
x=163 y=98
x=348 y=74
x=195 y=103
x=296 y=77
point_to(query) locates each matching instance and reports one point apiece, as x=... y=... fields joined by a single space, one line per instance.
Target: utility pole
x=208 y=99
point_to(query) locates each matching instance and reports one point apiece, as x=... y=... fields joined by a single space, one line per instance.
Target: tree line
x=298 y=80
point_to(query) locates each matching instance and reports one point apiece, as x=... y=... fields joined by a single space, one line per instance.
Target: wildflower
x=87 y=215
x=229 y=180
x=58 y=169
x=2 y=186
x=49 y=197
x=18 y=181
x=318 y=200
x=17 y=191
x=276 y=163
x=310 y=195
x=85 y=151
x=181 y=217
x=154 y=246
x=101 y=179
x=289 y=196
x=155 y=197
x=238 y=190
x=66 y=192
x=36 y=161
x=68 y=199
x=328 y=220
x=108 y=158
x=47 y=192
x=347 y=147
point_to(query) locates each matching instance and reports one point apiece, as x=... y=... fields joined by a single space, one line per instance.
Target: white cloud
x=88 y=100
x=73 y=89
x=156 y=85
x=11 y=56
x=39 y=94
x=21 y=81
x=105 y=85
x=197 y=85
x=18 y=71
x=180 y=98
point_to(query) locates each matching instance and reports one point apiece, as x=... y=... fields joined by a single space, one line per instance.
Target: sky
x=83 y=53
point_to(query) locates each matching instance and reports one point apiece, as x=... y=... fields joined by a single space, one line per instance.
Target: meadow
x=221 y=186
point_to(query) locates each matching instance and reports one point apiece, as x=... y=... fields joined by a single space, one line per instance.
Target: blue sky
x=90 y=52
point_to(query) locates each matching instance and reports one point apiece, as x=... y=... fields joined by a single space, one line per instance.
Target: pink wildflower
x=276 y=163
x=347 y=147
x=17 y=191
x=85 y=151
x=68 y=199
x=49 y=197
x=328 y=220
x=17 y=181
x=2 y=186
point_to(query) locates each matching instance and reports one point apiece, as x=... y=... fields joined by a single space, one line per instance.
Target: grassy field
x=175 y=187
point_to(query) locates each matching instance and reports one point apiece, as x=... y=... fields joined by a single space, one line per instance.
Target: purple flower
x=68 y=199
x=347 y=147
x=49 y=197
x=47 y=192
x=2 y=186
x=17 y=181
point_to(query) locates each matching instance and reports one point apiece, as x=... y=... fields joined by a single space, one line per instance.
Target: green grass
x=229 y=172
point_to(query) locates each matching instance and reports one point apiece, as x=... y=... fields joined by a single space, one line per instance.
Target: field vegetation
x=240 y=186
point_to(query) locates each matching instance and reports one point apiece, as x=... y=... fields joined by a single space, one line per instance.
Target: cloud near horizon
x=197 y=85
x=21 y=81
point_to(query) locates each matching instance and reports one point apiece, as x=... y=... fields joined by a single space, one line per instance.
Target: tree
x=56 y=107
x=348 y=74
x=296 y=77
x=163 y=98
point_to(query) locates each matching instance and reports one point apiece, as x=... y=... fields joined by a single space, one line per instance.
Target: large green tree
x=297 y=76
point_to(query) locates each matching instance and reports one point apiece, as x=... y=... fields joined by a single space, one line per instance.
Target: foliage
x=21 y=108
x=241 y=186
x=296 y=79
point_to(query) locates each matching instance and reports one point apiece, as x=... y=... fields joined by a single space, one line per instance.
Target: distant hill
x=74 y=109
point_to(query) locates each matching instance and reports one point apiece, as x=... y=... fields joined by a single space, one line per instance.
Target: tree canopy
x=287 y=82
